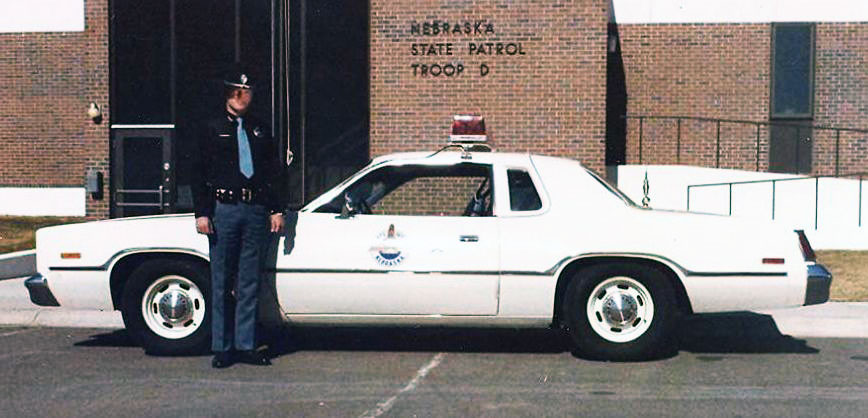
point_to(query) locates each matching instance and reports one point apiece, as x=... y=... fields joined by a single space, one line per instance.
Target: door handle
x=469 y=238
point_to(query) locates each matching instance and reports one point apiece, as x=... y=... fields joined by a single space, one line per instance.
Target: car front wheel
x=165 y=307
x=619 y=312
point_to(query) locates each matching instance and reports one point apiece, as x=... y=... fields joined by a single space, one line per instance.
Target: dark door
x=309 y=59
x=792 y=98
x=142 y=171
x=328 y=98
x=790 y=149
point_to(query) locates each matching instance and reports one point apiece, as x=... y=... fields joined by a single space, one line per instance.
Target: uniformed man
x=237 y=203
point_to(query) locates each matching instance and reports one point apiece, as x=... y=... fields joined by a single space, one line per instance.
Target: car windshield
x=453 y=190
x=612 y=189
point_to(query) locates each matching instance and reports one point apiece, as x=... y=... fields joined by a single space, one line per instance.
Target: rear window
x=522 y=193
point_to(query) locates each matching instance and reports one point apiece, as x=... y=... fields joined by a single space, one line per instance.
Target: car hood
x=98 y=242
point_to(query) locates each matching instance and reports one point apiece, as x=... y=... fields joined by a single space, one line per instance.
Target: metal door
x=142 y=170
x=790 y=148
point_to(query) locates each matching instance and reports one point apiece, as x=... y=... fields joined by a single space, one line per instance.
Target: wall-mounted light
x=94 y=112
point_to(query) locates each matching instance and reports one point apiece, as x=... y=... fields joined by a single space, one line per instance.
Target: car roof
x=452 y=157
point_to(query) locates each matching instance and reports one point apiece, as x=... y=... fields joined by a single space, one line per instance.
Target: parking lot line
x=386 y=405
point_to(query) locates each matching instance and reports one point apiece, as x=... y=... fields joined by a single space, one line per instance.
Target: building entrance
x=310 y=63
x=143 y=170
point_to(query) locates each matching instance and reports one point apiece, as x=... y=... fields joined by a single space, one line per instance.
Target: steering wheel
x=364 y=208
x=476 y=206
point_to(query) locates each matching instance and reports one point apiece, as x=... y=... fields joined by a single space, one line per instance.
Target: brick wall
x=443 y=196
x=722 y=71
x=48 y=80
x=549 y=97
x=704 y=70
x=841 y=96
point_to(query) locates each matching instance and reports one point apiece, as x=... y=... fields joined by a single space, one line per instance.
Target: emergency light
x=468 y=129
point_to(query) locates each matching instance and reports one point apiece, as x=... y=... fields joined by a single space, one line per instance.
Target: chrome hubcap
x=620 y=309
x=173 y=307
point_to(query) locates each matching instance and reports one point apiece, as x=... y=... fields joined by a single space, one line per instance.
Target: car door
x=411 y=252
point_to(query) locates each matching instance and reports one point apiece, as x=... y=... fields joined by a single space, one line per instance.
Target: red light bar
x=468 y=128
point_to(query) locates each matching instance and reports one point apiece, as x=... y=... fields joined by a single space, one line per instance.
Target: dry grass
x=19 y=232
x=849 y=274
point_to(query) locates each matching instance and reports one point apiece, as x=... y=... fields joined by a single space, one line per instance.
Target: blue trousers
x=237 y=248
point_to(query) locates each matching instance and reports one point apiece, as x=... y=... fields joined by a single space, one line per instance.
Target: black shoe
x=221 y=360
x=253 y=357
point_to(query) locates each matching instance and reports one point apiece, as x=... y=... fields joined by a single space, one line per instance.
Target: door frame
x=165 y=193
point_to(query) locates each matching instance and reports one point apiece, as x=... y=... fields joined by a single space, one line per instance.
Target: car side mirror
x=347 y=208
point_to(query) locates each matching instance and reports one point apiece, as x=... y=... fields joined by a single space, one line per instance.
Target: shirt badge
x=257 y=132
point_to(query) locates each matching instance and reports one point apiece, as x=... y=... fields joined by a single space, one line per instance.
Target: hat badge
x=243 y=78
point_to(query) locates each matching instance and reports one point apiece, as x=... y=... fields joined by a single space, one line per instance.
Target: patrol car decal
x=387 y=253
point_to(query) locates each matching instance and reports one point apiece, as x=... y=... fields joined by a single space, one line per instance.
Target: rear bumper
x=819 y=282
x=40 y=294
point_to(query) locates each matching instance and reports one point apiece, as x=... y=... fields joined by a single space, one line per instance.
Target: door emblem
x=387 y=252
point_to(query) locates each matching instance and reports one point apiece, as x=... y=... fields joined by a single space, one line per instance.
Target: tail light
x=807 y=251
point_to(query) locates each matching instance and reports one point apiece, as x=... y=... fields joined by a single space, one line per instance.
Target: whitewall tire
x=165 y=307
x=619 y=312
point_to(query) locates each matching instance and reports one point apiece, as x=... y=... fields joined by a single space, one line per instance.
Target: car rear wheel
x=619 y=312
x=164 y=307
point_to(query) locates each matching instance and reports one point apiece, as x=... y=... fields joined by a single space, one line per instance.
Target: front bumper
x=40 y=294
x=819 y=282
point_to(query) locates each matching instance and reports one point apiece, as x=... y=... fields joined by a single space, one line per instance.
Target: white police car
x=449 y=238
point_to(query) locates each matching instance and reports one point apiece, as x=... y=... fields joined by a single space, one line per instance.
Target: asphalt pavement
x=433 y=373
x=808 y=361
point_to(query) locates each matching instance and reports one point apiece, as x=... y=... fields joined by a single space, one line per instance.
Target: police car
x=456 y=237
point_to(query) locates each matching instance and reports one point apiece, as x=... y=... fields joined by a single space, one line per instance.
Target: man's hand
x=277 y=223
x=203 y=225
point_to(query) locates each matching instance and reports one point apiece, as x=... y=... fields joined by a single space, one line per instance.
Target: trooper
x=237 y=204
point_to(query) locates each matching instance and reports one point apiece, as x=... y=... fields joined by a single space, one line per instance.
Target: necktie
x=245 y=160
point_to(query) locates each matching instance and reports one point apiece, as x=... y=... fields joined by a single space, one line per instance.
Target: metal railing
x=816 y=179
x=758 y=127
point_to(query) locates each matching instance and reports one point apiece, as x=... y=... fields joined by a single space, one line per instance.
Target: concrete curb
x=17 y=264
x=828 y=320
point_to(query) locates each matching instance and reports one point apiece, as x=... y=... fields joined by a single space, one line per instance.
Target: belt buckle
x=246 y=195
x=225 y=195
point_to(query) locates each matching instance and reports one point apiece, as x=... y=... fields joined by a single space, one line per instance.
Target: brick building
x=598 y=80
x=795 y=68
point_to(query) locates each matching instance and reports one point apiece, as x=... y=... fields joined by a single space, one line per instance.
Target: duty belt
x=235 y=195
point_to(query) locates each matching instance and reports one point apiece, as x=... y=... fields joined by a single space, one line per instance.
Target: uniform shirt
x=215 y=163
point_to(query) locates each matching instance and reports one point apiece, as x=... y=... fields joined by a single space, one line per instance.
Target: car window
x=522 y=193
x=420 y=190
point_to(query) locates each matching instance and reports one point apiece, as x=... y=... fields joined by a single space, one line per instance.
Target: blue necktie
x=245 y=160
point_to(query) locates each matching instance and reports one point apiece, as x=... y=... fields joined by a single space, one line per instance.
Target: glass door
x=143 y=170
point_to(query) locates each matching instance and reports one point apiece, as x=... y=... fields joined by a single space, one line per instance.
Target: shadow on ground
x=711 y=334
x=742 y=332
x=119 y=338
